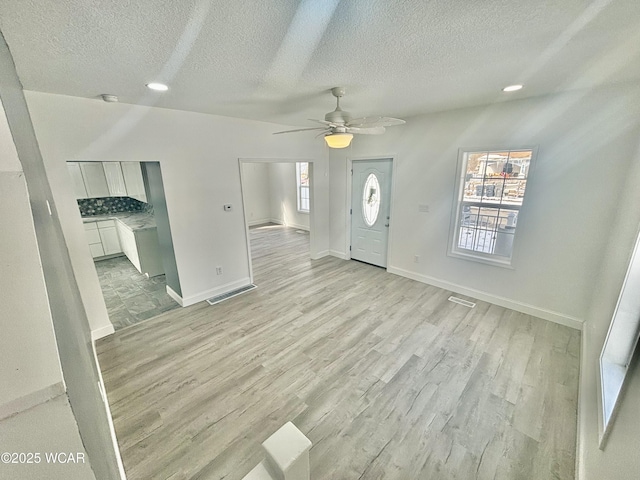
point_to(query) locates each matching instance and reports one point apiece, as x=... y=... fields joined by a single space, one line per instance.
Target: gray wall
x=199 y=157
x=155 y=193
x=619 y=459
x=269 y=191
x=69 y=318
x=29 y=368
x=587 y=142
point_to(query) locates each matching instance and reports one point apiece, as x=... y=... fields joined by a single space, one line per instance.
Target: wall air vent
x=460 y=301
x=233 y=293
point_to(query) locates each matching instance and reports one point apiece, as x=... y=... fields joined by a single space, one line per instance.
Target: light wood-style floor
x=387 y=378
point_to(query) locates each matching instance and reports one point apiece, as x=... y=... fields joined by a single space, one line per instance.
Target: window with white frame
x=302 y=180
x=490 y=190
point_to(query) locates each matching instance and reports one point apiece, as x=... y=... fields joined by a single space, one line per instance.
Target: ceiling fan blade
x=375 y=122
x=366 y=130
x=300 y=130
x=323 y=122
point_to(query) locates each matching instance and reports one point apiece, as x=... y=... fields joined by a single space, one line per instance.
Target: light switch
x=227 y=207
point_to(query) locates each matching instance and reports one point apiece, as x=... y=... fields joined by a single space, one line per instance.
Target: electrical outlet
x=416 y=259
x=218 y=270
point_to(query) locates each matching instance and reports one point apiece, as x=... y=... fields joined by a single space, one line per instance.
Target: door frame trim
x=393 y=157
x=313 y=249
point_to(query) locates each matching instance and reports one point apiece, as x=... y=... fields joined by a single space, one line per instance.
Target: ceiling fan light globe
x=338 y=140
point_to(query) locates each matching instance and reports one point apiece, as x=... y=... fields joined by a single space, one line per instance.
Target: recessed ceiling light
x=159 y=87
x=512 y=88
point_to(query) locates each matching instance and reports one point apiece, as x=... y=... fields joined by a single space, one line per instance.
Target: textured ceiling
x=276 y=61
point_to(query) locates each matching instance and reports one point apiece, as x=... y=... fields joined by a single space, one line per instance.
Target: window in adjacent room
x=490 y=189
x=302 y=180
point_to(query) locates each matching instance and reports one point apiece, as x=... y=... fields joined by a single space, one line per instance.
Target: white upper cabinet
x=76 y=178
x=107 y=179
x=133 y=180
x=95 y=180
x=115 y=179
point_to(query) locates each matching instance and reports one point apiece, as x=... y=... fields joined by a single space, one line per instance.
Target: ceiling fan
x=338 y=126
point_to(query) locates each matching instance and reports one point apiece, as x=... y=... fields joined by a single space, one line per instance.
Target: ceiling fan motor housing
x=338 y=116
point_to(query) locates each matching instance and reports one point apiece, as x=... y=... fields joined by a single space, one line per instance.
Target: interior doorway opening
x=277 y=196
x=123 y=209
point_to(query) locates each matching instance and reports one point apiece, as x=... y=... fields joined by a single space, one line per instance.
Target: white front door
x=370 y=210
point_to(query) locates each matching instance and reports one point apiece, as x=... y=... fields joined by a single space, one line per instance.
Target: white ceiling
x=277 y=60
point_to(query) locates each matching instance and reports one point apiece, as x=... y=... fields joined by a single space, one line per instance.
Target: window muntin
x=302 y=182
x=491 y=189
x=371 y=200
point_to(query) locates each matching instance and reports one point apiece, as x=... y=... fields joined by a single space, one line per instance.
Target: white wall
x=199 y=156
x=270 y=194
x=620 y=458
x=284 y=196
x=586 y=144
x=256 y=190
x=50 y=262
x=30 y=371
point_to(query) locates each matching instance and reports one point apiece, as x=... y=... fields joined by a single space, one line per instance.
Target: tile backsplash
x=107 y=205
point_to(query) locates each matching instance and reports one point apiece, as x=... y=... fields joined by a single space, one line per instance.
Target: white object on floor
x=260 y=472
x=287 y=456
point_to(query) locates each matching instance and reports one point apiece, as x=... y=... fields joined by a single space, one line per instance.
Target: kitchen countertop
x=132 y=220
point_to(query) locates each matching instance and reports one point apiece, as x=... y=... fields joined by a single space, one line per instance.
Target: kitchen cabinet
x=103 y=238
x=142 y=248
x=76 y=179
x=128 y=243
x=109 y=237
x=93 y=238
x=115 y=179
x=107 y=179
x=132 y=172
x=94 y=178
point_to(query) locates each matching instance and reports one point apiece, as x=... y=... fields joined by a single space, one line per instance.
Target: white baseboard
x=539 y=312
x=319 y=255
x=105 y=401
x=175 y=296
x=31 y=400
x=202 y=296
x=342 y=255
x=98 y=333
x=299 y=227
x=579 y=467
x=277 y=221
x=262 y=221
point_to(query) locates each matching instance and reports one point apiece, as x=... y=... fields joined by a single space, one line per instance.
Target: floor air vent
x=225 y=296
x=461 y=301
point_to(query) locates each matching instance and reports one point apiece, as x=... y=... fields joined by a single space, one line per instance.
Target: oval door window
x=371 y=200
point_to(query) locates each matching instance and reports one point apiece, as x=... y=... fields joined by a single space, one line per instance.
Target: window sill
x=306 y=212
x=487 y=260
